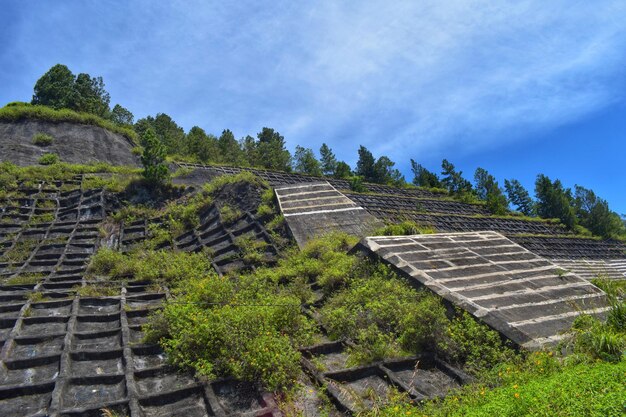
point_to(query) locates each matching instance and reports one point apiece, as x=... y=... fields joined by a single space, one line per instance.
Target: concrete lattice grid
x=66 y=354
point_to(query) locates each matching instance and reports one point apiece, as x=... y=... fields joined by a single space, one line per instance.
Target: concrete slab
x=595 y=268
x=529 y=299
x=313 y=209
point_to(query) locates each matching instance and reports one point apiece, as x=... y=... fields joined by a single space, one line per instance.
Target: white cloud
x=401 y=77
x=434 y=73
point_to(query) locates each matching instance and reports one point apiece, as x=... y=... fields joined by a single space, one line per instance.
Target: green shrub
x=229 y=214
x=244 y=176
x=42 y=139
x=377 y=309
x=163 y=267
x=604 y=341
x=155 y=169
x=404 y=229
x=48 y=159
x=249 y=330
x=356 y=184
x=473 y=344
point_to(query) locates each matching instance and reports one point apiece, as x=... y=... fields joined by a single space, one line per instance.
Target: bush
x=249 y=330
x=473 y=344
x=378 y=310
x=48 y=159
x=604 y=341
x=42 y=139
x=356 y=184
x=404 y=229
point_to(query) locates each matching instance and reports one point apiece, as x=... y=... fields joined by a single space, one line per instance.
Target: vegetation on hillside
x=581 y=211
x=17 y=111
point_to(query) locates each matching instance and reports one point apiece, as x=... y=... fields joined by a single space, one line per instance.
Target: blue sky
x=517 y=88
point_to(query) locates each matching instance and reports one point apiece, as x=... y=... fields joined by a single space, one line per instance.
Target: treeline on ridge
x=580 y=210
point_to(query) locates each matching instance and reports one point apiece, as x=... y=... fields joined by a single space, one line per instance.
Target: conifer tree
x=305 y=162
x=519 y=197
x=155 y=169
x=328 y=160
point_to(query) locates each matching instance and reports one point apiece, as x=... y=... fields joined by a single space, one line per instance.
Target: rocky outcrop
x=74 y=143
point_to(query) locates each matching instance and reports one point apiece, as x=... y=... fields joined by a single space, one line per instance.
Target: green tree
x=453 y=180
x=553 y=201
x=328 y=160
x=423 y=177
x=249 y=148
x=343 y=170
x=304 y=162
x=59 y=88
x=56 y=88
x=230 y=150
x=519 y=197
x=155 y=169
x=365 y=165
x=201 y=145
x=487 y=189
x=385 y=173
x=271 y=150
x=594 y=214
x=91 y=96
x=167 y=131
x=121 y=116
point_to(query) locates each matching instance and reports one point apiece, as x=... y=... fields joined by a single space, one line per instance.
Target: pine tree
x=230 y=150
x=155 y=169
x=121 y=116
x=343 y=170
x=305 y=162
x=553 y=201
x=453 y=180
x=272 y=153
x=519 y=197
x=328 y=160
x=365 y=165
x=487 y=189
x=423 y=177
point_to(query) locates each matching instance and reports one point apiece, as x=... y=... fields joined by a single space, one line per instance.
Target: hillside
x=195 y=300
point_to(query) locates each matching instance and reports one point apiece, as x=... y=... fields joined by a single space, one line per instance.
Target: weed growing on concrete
x=42 y=139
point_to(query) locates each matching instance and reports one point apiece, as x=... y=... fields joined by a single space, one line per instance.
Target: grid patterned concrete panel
x=529 y=299
x=312 y=209
x=67 y=354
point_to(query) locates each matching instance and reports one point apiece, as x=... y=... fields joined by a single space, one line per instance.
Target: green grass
x=24 y=279
x=24 y=111
x=11 y=175
x=404 y=228
x=20 y=251
x=588 y=389
x=162 y=267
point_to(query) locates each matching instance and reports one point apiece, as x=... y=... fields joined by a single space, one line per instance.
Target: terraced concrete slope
x=67 y=353
x=528 y=299
x=585 y=257
x=313 y=209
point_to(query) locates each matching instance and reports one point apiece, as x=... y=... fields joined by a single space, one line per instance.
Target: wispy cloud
x=400 y=77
